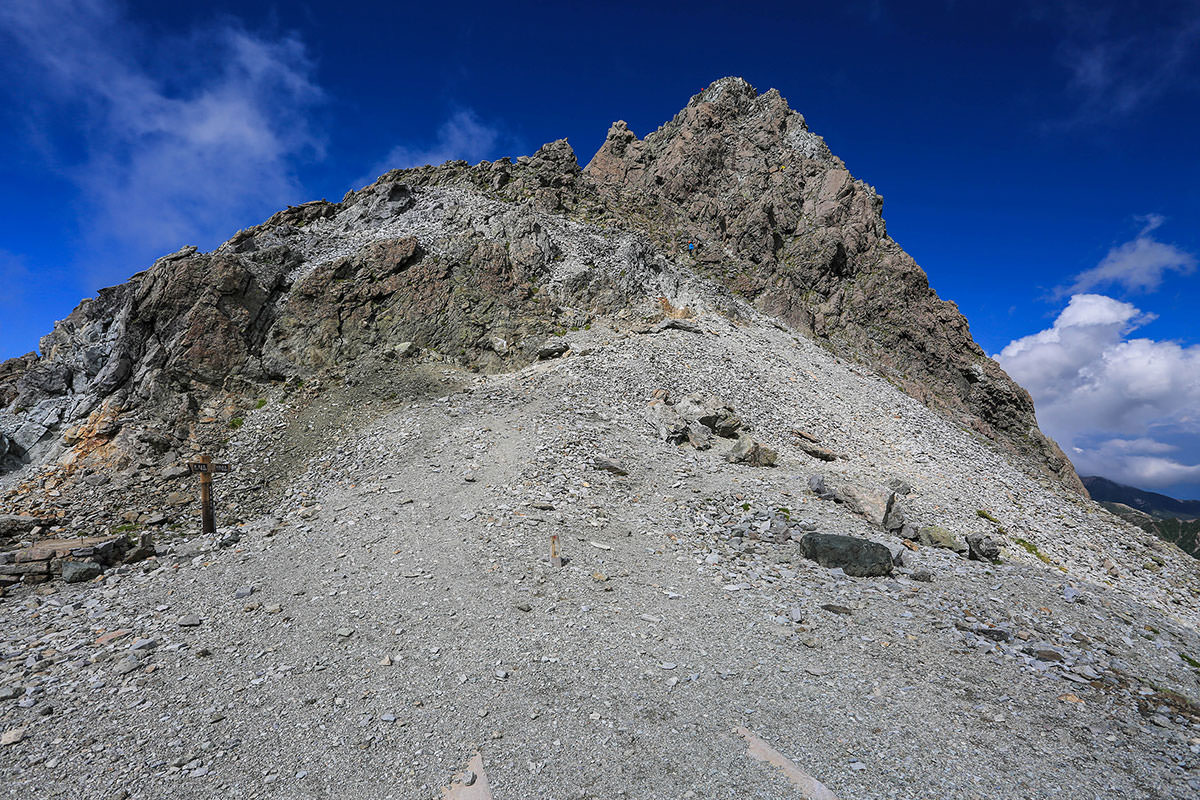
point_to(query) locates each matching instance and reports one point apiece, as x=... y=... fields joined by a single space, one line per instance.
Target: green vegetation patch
x=1031 y=548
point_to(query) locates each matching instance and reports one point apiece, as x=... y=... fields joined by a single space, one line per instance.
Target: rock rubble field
x=392 y=626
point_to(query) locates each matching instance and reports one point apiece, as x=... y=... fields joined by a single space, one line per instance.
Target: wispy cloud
x=463 y=136
x=1116 y=403
x=1119 y=59
x=1138 y=265
x=166 y=157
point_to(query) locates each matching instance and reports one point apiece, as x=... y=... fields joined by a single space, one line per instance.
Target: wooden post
x=207 y=523
x=555 y=554
x=204 y=467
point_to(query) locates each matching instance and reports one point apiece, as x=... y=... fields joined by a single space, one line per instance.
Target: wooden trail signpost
x=204 y=467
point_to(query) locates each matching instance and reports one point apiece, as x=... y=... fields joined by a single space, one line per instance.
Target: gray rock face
x=856 y=557
x=782 y=221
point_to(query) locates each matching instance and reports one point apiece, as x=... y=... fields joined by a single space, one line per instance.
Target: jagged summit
x=777 y=221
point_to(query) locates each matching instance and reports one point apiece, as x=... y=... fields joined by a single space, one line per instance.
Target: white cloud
x=184 y=155
x=463 y=136
x=1138 y=265
x=1113 y=402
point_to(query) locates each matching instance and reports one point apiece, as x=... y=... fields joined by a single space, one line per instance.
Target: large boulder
x=709 y=412
x=667 y=424
x=937 y=536
x=860 y=558
x=12 y=525
x=748 y=451
x=982 y=547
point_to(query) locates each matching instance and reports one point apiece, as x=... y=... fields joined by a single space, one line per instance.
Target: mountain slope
x=423 y=386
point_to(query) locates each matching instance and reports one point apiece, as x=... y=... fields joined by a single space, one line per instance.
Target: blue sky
x=1037 y=159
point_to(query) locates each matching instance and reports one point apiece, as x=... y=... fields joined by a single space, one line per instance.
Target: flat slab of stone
x=860 y=558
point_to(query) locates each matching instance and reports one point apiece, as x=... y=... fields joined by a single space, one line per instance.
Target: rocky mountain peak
x=481 y=262
x=629 y=459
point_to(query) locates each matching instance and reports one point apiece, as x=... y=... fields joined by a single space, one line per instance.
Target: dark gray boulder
x=79 y=571
x=982 y=547
x=860 y=558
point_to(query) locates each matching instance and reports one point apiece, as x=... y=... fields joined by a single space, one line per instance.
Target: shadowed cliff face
x=482 y=263
x=780 y=220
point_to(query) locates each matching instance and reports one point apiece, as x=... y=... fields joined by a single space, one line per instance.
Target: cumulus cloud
x=1138 y=265
x=461 y=137
x=165 y=156
x=1116 y=403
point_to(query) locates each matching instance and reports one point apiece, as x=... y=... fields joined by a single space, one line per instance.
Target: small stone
x=1045 y=653
x=524 y=607
x=922 y=575
x=144 y=644
x=468 y=778
x=609 y=465
x=834 y=608
x=189 y=621
x=243 y=592
x=12 y=736
x=345 y=632
x=127 y=664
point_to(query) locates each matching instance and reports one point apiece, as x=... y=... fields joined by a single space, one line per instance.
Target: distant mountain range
x=1152 y=503
x=1175 y=521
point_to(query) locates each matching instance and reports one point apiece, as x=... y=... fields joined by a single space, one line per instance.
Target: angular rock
x=14 y=525
x=667 y=424
x=748 y=451
x=937 y=536
x=79 y=571
x=893 y=516
x=552 y=349
x=699 y=436
x=871 y=504
x=816 y=451
x=817 y=485
x=856 y=557
x=710 y=412
x=982 y=547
